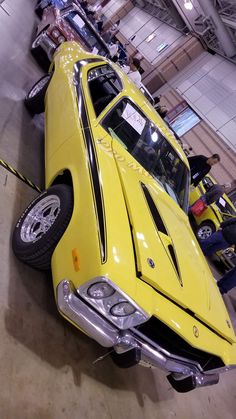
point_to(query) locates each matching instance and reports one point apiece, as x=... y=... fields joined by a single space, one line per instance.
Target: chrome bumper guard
x=101 y=330
x=46 y=44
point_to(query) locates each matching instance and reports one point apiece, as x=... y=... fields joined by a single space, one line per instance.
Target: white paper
x=134 y=118
x=94 y=50
x=222 y=202
x=78 y=21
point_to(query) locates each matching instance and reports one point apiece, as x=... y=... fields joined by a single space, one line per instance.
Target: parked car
x=226 y=257
x=215 y=213
x=59 y=25
x=212 y=217
x=112 y=225
x=43 y=4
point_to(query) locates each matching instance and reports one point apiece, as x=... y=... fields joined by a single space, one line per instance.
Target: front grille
x=162 y=335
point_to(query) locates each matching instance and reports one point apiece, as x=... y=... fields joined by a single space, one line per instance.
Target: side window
x=225 y=207
x=104 y=86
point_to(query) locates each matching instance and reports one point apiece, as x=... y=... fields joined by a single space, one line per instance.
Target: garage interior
x=48 y=368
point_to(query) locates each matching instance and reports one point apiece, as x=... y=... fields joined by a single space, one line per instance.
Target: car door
x=101 y=90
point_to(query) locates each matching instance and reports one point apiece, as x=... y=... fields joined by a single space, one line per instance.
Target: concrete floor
x=47 y=369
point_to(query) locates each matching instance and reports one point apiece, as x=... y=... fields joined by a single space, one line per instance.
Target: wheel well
x=63 y=178
x=207 y=222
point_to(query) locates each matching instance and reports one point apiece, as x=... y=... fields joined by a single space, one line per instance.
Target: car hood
x=168 y=256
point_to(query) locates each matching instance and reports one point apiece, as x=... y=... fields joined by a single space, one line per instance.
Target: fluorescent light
x=188 y=5
x=162 y=46
x=150 y=37
x=154 y=136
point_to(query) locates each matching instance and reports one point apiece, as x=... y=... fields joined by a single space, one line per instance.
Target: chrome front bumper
x=47 y=45
x=101 y=330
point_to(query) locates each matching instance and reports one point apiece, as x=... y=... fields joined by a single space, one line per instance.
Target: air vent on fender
x=153 y=209
x=161 y=228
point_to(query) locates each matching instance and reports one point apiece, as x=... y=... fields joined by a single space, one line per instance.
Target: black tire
x=37 y=252
x=34 y=100
x=39 y=12
x=208 y=226
x=39 y=54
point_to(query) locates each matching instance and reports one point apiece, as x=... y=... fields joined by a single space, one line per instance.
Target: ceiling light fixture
x=150 y=37
x=188 y=4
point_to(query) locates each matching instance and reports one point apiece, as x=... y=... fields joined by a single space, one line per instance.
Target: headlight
x=122 y=309
x=100 y=290
x=112 y=303
x=55 y=33
x=61 y=39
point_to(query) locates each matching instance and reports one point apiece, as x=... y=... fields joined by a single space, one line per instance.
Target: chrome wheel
x=40 y=219
x=205 y=232
x=39 y=86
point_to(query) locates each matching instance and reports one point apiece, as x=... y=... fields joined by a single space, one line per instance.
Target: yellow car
x=213 y=216
x=112 y=224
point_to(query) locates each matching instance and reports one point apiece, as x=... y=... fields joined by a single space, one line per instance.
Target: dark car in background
x=67 y=24
x=43 y=4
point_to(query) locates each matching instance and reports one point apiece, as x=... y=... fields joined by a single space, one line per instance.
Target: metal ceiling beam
x=229 y=22
x=219 y=28
x=164 y=10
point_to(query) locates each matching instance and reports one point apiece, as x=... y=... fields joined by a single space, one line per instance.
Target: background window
x=182 y=118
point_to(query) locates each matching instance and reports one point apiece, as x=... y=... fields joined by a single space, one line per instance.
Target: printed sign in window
x=222 y=202
x=94 y=50
x=79 y=21
x=134 y=118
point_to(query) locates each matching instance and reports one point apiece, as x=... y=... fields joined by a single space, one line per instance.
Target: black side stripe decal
x=94 y=170
x=155 y=214
x=161 y=227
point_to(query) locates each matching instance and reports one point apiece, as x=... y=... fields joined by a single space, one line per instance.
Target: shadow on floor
x=33 y=320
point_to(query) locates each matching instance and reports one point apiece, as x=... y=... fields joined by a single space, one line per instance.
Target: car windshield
x=145 y=142
x=225 y=208
x=89 y=37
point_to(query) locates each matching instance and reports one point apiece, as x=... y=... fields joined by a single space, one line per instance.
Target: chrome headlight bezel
x=104 y=305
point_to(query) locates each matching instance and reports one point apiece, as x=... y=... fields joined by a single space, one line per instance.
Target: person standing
x=200 y=166
x=221 y=239
x=132 y=70
x=187 y=149
x=214 y=193
x=157 y=102
x=113 y=49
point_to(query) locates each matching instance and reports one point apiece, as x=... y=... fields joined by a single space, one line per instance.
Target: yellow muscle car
x=112 y=225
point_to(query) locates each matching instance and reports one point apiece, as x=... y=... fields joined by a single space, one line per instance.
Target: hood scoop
x=166 y=239
x=153 y=210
